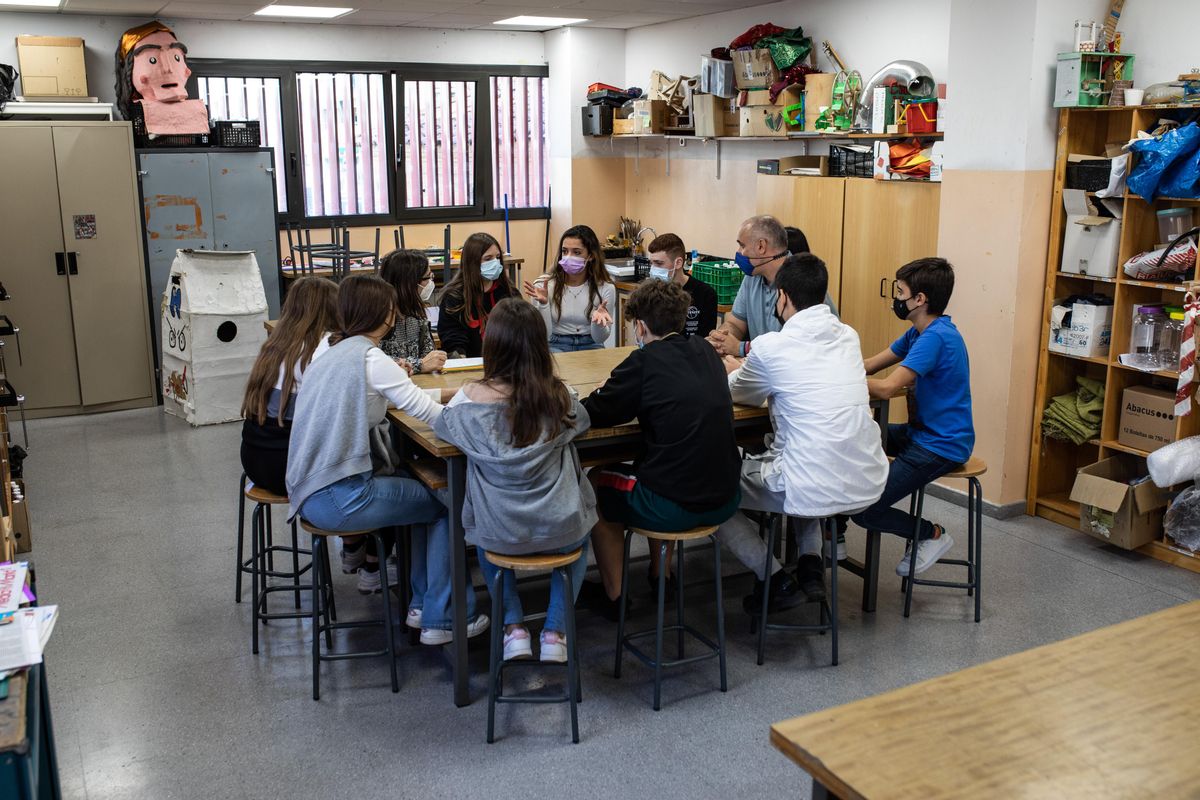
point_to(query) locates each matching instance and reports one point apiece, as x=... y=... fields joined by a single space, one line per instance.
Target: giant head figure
x=152 y=70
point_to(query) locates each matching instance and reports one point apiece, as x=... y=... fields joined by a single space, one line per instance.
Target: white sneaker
x=413 y=620
x=369 y=581
x=553 y=647
x=353 y=559
x=928 y=552
x=436 y=636
x=517 y=645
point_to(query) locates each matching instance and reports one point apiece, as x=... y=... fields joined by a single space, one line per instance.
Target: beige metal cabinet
x=73 y=264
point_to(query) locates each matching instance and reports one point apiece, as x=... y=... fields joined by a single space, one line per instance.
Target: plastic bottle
x=1169 y=341
x=1145 y=335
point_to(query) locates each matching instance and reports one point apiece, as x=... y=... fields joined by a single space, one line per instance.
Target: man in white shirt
x=825 y=457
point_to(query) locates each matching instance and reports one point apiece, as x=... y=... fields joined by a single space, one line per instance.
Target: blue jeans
x=913 y=468
x=367 y=502
x=555 y=619
x=572 y=342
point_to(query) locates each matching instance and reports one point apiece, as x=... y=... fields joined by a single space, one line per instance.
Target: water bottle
x=1145 y=334
x=1169 y=341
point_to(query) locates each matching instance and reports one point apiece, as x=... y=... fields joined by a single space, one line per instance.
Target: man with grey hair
x=762 y=249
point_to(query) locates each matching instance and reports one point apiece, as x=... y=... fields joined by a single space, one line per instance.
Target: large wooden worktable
x=1104 y=714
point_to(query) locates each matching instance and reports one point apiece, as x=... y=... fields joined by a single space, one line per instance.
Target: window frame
x=395 y=73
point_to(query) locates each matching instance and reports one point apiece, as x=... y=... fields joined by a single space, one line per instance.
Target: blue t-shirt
x=755 y=305
x=940 y=419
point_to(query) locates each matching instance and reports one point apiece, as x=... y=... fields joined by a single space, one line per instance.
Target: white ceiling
x=453 y=14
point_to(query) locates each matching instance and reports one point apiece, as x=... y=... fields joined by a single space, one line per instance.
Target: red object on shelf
x=598 y=87
x=922 y=117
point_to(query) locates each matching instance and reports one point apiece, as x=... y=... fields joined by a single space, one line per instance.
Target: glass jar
x=1169 y=341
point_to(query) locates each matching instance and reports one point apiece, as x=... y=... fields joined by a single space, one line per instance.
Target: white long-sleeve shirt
x=576 y=316
x=388 y=382
x=826 y=456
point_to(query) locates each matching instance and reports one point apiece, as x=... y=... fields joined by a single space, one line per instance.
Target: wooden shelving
x=1053 y=463
x=791 y=137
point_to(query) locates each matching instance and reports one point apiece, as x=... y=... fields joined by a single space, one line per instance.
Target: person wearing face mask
x=410 y=343
x=762 y=247
x=688 y=472
x=666 y=264
x=472 y=293
x=577 y=298
x=825 y=457
x=940 y=433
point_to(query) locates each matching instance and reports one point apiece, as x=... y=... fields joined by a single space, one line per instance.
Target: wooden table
x=1104 y=714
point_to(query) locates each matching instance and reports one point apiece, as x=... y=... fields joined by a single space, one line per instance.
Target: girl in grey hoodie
x=525 y=492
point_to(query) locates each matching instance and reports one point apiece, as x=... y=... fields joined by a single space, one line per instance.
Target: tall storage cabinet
x=72 y=262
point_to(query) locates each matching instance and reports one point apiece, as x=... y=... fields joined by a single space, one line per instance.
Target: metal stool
x=496 y=663
x=626 y=642
x=261 y=564
x=970 y=471
x=322 y=609
x=246 y=565
x=828 y=609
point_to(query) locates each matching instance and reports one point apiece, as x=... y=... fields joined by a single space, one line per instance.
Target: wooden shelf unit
x=1053 y=463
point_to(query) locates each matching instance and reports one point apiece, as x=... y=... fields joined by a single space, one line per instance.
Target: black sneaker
x=672 y=587
x=784 y=594
x=810 y=575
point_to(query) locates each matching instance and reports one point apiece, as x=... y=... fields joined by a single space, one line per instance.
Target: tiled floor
x=155 y=693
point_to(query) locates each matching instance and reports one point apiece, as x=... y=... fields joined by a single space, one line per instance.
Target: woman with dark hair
x=577 y=298
x=797 y=241
x=336 y=480
x=411 y=341
x=471 y=295
x=526 y=492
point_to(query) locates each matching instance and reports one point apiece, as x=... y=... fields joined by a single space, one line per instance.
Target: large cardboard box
x=711 y=115
x=1113 y=510
x=760 y=117
x=1088 y=333
x=52 y=66
x=754 y=69
x=649 y=116
x=818 y=94
x=1147 y=418
x=1090 y=241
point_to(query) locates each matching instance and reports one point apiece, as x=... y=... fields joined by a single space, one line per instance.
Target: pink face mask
x=573 y=265
x=160 y=69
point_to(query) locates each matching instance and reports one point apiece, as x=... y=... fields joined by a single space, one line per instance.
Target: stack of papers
x=459 y=364
x=23 y=637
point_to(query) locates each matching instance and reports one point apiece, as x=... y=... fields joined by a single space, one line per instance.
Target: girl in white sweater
x=577 y=298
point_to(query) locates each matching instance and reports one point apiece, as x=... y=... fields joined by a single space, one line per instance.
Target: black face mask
x=778 y=316
x=901 y=309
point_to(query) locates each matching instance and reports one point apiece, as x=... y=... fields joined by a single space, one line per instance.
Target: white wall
x=276 y=41
x=1165 y=37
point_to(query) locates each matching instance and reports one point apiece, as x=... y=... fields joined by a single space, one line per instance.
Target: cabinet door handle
x=292 y=161
x=60 y=263
x=882 y=283
x=73 y=263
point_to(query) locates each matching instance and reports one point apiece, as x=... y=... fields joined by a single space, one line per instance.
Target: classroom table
x=1097 y=715
x=511 y=263
x=583 y=370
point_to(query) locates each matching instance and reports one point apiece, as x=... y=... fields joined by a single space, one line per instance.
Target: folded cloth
x=1075 y=416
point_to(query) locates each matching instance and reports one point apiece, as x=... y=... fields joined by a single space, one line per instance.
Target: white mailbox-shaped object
x=213 y=314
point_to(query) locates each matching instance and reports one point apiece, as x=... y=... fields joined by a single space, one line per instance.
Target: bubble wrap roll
x=1176 y=463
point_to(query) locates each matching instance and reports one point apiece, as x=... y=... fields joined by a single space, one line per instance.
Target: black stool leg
x=621 y=610
x=270 y=549
x=764 y=523
x=762 y=620
x=254 y=560
x=977 y=561
x=658 y=626
x=970 y=538
x=572 y=662
x=833 y=590
x=388 y=632
x=296 y=561
x=721 y=611
x=327 y=571
x=495 y=656
x=912 y=561
x=679 y=595
x=237 y=597
x=318 y=553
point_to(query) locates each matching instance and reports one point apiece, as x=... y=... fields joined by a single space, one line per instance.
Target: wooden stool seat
x=261 y=495
x=430 y=471
x=315 y=531
x=534 y=560
x=974 y=467
x=677 y=536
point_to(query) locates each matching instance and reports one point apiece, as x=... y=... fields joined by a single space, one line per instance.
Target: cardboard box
x=1088 y=333
x=881 y=162
x=1147 y=418
x=758 y=116
x=649 y=116
x=1090 y=241
x=754 y=69
x=937 y=161
x=1112 y=510
x=51 y=66
x=812 y=165
x=623 y=127
x=711 y=115
x=818 y=94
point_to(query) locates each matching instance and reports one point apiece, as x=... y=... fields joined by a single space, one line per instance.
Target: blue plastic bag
x=1154 y=156
x=1182 y=179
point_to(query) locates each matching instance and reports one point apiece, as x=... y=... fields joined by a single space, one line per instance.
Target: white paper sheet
x=12 y=586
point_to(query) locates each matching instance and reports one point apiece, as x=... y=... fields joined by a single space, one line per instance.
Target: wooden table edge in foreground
x=1095 y=715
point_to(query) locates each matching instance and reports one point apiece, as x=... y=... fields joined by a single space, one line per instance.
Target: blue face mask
x=743 y=263
x=491 y=269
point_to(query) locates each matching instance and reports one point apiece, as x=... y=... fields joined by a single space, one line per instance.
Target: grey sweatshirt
x=523 y=500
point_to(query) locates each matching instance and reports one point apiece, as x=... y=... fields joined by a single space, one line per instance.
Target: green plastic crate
x=723 y=276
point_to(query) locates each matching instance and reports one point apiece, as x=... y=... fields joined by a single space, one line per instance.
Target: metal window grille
x=251 y=98
x=520 y=163
x=439 y=143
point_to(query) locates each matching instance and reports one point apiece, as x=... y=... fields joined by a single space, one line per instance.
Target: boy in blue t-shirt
x=940 y=435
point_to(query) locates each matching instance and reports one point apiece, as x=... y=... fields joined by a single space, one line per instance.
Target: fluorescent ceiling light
x=302 y=12
x=539 y=22
x=39 y=3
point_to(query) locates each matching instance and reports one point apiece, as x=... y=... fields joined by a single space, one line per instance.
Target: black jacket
x=702 y=314
x=678 y=391
x=459 y=335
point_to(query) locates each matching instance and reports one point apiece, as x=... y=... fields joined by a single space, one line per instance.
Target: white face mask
x=661 y=273
x=491 y=269
x=426 y=291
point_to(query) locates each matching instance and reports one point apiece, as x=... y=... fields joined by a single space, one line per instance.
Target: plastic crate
x=1091 y=175
x=143 y=139
x=723 y=276
x=845 y=162
x=235 y=133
